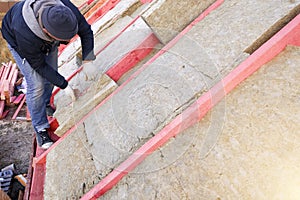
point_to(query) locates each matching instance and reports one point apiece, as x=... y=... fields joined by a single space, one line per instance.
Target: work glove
x=90 y=70
x=70 y=92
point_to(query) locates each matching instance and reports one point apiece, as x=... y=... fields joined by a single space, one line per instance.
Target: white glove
x=70 y=92
x=90 y=70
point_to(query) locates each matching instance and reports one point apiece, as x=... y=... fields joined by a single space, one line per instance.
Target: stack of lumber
x=8 y=78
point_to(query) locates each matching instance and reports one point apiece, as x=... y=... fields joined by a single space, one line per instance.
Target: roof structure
x=169 y=114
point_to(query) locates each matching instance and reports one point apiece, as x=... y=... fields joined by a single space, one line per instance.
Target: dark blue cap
x=60 y=22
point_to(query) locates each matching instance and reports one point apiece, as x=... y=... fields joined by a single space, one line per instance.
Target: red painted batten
x=93 y=9
x=146 y=1
x=132 y=58
x=102 y=11
x=85 y=3
x=37 y=182
x=288 y=35
x=30 y=170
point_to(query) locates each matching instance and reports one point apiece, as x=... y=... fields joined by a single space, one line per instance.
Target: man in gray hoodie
x=33 y=30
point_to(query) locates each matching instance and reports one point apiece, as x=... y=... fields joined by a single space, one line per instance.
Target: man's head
x=60 y=22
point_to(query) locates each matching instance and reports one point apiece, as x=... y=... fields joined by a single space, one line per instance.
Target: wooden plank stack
x=8 y=78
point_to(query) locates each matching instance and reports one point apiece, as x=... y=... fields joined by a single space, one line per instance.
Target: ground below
x=16 y=143
x=15 y=136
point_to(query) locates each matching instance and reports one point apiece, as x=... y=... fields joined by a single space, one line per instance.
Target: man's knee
x=35 y=90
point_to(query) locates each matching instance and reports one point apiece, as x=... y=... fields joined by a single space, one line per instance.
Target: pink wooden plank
x=12 y=72
x=132 y=58
x=8 y=69
x=4 y=74
x=107 y=6
x=146 y=1
x=5 y=113
x=37 y=182
x=18 y=99
x=30 y=171
x=2 y=105
x=19 y=108
x=12 y=98
x=1 y=71
x=95 y=7
x=85 y=3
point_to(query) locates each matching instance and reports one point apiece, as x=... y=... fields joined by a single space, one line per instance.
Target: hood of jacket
x=32 y=12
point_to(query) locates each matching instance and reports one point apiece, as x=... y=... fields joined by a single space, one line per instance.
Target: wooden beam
x=5 y=95
x=19 y=108
x=12 y=71
x=5 y=113
x=2 y=105
x=1 y=70
x=18 y=99
x=132 y=58
x=30 y=171
x=94 y=8
x=37 y=182
x=4 y=73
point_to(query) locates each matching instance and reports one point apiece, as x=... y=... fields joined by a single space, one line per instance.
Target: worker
x=33 y=30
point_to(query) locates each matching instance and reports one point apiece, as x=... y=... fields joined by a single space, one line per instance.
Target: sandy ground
x=15 y=136
x=16 y=139
x=16 y=142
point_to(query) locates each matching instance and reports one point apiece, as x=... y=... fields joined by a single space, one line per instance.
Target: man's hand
x=70 y=92
x=90 y=70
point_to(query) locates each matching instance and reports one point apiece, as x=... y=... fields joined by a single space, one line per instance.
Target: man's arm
x=33 y=55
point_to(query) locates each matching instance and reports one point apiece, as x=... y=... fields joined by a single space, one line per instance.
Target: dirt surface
x=15 y=136
x=16 y=143
x=16 y=139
